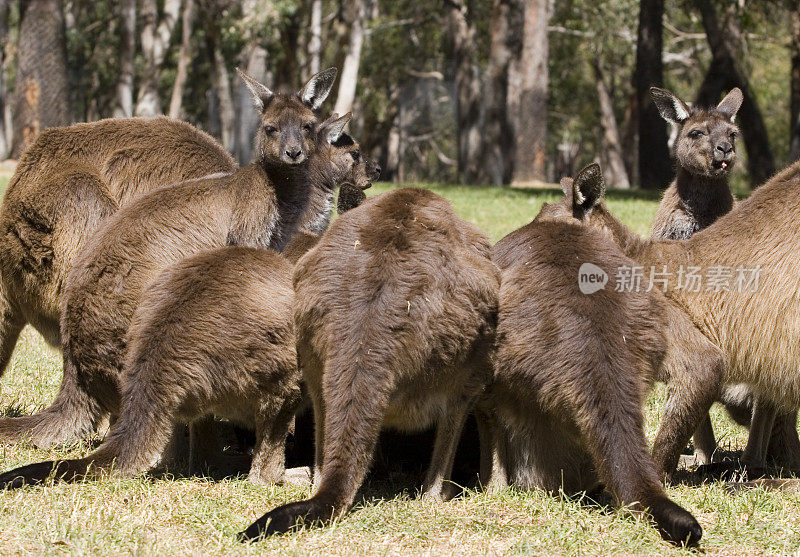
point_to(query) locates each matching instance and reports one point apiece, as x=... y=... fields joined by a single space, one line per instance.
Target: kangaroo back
x=395 y=310
x=574 y=360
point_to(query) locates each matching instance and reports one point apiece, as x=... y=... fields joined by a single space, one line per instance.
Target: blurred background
x=471 y=91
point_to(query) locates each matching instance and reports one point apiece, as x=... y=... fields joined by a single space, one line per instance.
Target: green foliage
x=584 y=33
x=404 y=52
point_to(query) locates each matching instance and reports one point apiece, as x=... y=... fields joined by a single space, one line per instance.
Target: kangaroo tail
x=39 y=472
x=347 y=451
x=74 y=414
x=134 y=444
x=611 y=421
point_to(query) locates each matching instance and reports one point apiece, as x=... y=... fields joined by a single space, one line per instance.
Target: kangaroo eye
x=356 y=155
x=694 y=134
x=308 y=126
x=270 y=129
x=733 y=135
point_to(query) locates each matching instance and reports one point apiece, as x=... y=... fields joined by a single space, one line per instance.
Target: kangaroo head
x=342 y=155
x=286 y=134
x=706 y=142
x=583 y=195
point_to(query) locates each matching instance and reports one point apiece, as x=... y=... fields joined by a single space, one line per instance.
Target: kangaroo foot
x=731 y=470
x=300 y=476
x=675 y=524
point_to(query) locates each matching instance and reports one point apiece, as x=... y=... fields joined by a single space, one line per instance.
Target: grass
x=199 y=516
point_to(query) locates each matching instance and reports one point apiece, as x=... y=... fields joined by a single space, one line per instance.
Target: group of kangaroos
x=180 y=286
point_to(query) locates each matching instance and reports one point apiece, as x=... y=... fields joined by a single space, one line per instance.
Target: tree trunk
x=356 y=14
x=41 y=93
x=795 y=87
x=402 y=141
x=630 y=138
x=127 y=53
x=315 y=43
x=460 y=39
x=184 y=57
x=222 y=83
x=392 y=164
x=724 y=74
x=247 y=117
x=655 y=167
x=530 y=151
x=4 y=139
x=222 y=86
x=514 y=91
x=614 y=167
x=498 y=133
x=155 y=42
x=287 y=68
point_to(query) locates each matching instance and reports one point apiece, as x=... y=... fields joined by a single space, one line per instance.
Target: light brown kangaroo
x=574 y=361
x=394 y=312
x=705 y=152
x=66 y=183
x=259 y=205
x=754 y=317
x=214 y=333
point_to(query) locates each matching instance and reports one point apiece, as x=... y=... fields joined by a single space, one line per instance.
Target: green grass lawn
x=198 y=516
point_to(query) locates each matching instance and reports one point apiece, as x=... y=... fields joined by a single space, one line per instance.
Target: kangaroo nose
x=293 y=153
x=725 y=148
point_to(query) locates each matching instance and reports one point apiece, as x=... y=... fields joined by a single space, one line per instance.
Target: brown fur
x=66 y=183
x=394 y=311
x=259 y=205
x=572 y=370
x=758 y=332
x=706 y=139
x=192 y=353
x=699 y=196
x=350 y=197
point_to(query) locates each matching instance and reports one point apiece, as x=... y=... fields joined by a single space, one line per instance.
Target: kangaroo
x=191 y=353
x=395 y=310
x=66 y=183
x=259 y=205
x=572 y=368
x=705 y=153
x=754 y=317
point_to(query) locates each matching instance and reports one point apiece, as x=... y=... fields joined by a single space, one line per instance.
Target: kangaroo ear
x=328 y=121
x=671 y=108
x=730 y=105
x=261 y=93
x=566 y=185
x=588 y=190
x=335 y=129
x=314 y=93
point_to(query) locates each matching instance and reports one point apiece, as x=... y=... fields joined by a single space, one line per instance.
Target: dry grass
x=197 y=516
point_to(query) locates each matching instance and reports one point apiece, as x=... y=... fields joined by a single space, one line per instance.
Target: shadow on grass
x=727 y=467
x=613 y=194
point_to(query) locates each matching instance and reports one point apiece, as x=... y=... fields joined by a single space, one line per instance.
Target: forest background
x=472 y=91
